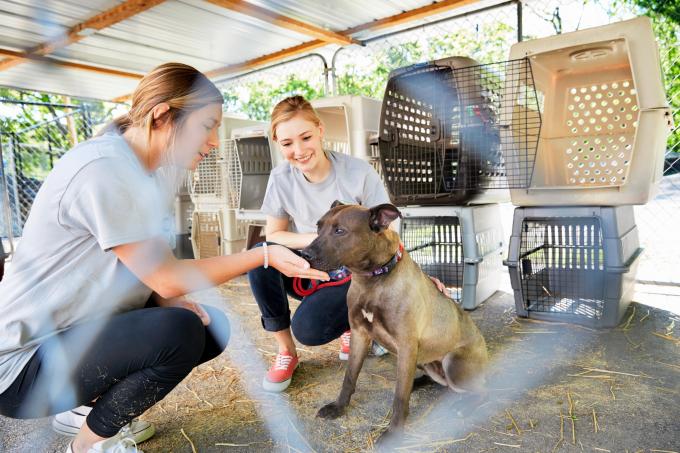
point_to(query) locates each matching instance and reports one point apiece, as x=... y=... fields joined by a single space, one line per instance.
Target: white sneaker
x=113 y=444
x=68 y=423
x=378 y=350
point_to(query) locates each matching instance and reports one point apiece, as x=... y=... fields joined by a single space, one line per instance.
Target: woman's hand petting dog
x=291 y=265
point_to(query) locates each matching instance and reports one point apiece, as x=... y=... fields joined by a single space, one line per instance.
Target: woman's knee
x=309 y=331
x=181 y=330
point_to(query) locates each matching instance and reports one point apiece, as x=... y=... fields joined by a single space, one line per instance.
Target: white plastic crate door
x=206 y=180
x=590 y=116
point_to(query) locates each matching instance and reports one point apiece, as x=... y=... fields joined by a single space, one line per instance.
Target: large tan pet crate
x=349 y=122
x=216 y=231
x=605 y=117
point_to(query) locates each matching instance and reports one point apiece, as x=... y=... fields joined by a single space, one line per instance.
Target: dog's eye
x=339 y=231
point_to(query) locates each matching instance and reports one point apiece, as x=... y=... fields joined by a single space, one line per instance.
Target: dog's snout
x=306 y=254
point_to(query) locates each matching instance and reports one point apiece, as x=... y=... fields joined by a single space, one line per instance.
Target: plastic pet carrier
x=349 y=121
x=254 y=150
x=574 y=264
x=461 y=246
x=605 y=117
x=449 y=131
x=216 y=231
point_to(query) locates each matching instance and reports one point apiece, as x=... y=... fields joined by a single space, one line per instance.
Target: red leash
x=300 y=291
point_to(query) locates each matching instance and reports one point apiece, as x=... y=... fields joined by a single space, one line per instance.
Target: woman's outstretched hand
x=291 y=265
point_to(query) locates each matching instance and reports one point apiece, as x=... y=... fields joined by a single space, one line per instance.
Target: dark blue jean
x=320 y=318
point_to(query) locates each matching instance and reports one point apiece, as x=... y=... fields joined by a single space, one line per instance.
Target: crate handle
x=626 y=266
x=435 y=131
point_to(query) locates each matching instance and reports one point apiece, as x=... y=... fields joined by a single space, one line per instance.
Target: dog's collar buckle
x=385 y=269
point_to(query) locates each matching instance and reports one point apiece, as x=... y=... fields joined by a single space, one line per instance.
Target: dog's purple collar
x=386 y=268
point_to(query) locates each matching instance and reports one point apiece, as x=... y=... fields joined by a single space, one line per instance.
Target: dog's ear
x=382 y=215
x=337 y=203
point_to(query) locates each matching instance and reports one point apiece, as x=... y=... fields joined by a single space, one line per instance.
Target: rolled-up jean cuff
x=276 y=324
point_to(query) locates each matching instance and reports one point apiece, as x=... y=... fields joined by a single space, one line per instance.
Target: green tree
x=261 y=96
x=370 y=80
x=665 y=17
x=41 y=133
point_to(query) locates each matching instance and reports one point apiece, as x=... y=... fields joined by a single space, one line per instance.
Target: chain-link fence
x=33 y=136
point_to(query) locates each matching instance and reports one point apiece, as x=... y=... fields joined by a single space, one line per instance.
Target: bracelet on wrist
x=266 y=254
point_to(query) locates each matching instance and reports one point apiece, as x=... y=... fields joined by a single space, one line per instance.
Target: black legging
x=129 y=362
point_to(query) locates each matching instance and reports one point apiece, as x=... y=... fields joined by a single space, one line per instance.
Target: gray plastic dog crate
x=459 y=245
x=574 y=264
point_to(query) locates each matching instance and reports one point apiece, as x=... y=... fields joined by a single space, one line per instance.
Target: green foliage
x=489 y=43
x=260 y=96
x=670 y=9
x=38 y=134
x=665 y=17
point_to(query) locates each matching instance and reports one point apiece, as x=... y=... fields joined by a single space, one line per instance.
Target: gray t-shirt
x=97 y=196
x=290 y=195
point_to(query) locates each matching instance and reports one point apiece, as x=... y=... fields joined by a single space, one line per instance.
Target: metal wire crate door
x=448 y=133
x=562 y=266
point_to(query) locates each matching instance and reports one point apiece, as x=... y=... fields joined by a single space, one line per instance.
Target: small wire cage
x=453 y=128
x=436 y=244
x=567 y=269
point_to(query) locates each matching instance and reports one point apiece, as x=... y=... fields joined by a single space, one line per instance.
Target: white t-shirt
x=351 y=181
x=97 y=196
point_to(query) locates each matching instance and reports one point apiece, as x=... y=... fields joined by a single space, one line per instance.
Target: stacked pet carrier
x=574 y=248
x=448 y=138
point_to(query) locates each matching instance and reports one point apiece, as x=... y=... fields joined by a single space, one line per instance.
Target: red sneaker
x=280 y=374
x=344 y=345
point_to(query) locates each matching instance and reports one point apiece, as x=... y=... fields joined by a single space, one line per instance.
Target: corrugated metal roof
x=195 y=32
x=73 y=82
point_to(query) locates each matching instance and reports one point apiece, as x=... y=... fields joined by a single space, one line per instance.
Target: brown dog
x=393 y=302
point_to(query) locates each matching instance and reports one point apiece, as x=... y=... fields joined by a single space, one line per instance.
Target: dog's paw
x=330 y=411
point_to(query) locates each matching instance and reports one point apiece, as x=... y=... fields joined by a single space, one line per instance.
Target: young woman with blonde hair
x=91 y=306
x=299 y=192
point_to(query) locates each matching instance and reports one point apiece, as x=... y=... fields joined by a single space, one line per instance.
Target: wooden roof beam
x=79 y=31
x=67 y=64
x=288 y=23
